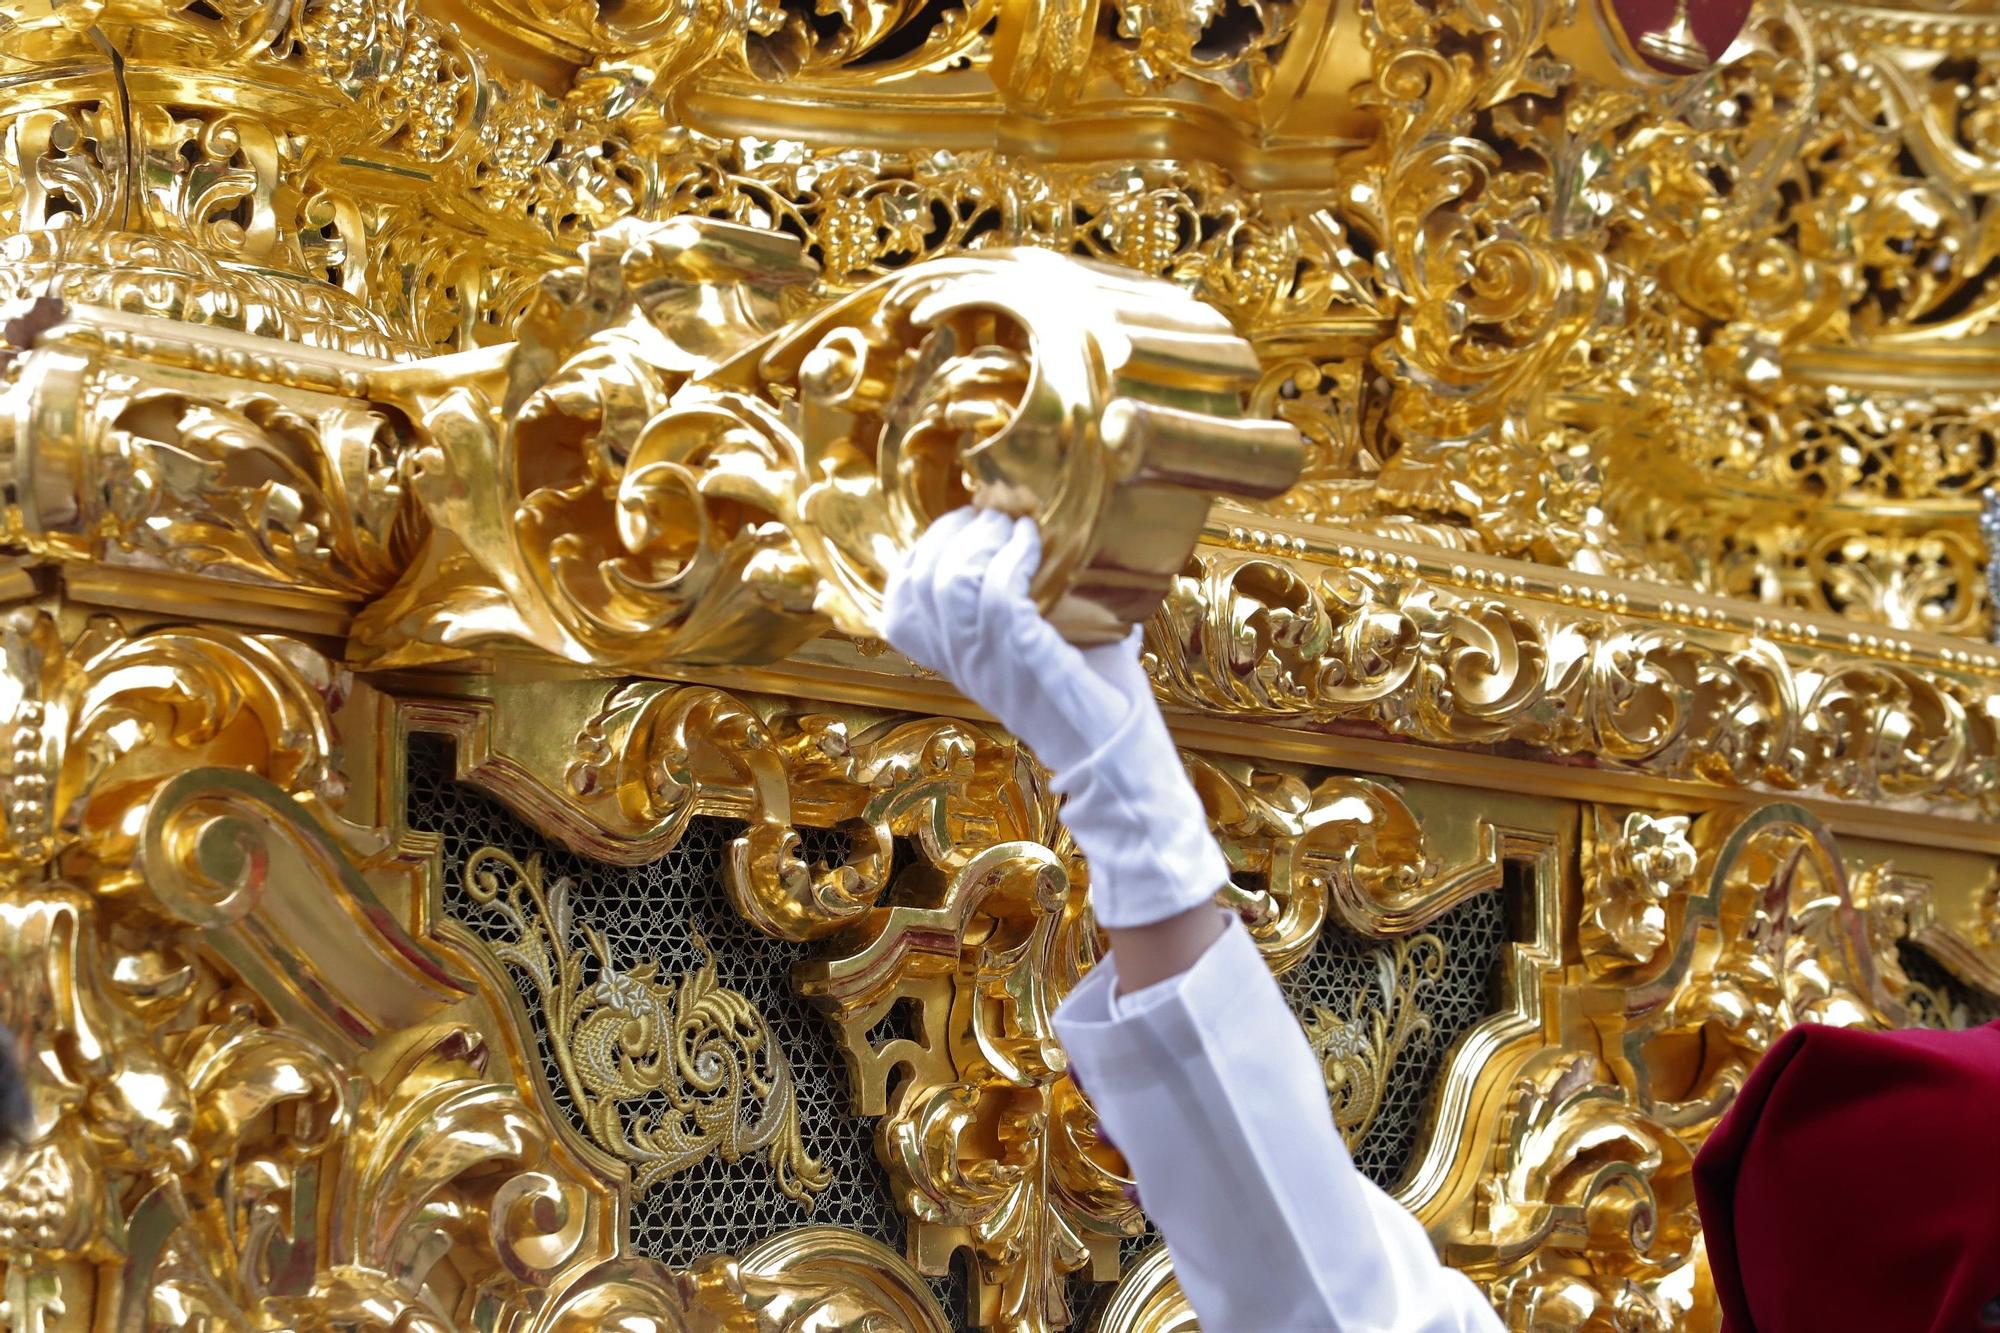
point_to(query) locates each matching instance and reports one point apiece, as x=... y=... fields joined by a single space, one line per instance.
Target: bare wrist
x=1152 y=953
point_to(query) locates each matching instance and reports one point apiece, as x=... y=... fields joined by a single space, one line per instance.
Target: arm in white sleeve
x=1206 y=1084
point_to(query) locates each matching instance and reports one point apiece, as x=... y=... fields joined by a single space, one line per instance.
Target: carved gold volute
x=661 y=471
x=663 y=467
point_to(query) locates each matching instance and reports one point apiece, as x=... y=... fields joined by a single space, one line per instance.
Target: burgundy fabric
x=1855 y=1184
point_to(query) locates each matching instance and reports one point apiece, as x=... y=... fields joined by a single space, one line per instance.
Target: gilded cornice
x=1860 y=26
x=397 y=180
x=174 y=472
x=1440 y=650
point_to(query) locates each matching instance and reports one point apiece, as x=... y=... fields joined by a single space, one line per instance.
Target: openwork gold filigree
x=1046 y=1199
x=980 y=920
x=626 y=1042
x=973 y=940
x=1357 y=1049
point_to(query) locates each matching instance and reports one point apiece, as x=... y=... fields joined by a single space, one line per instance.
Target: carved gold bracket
x=667 y=466
x=637 y=482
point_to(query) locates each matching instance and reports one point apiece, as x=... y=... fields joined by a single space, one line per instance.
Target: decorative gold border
x=1455 y=854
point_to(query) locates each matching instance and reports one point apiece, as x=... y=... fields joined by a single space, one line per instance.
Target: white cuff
x=1213 y=1096
x=1141 y=826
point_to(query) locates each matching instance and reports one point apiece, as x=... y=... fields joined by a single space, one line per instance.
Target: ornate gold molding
x=662 y=468
x=264 y=484
x=625 y=1041
x=637 y=482
x=1593 y=1212
x=261 y=1099
x=1353 y=634
x=1527 y=275
x=981 y=921
x=990 y=1149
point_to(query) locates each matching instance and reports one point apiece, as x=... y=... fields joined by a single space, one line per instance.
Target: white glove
x=960 y=606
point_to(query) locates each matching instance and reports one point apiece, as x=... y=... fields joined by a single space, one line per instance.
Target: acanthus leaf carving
x=629 y=1040
x=1590 y=1217
x=1310 y=644
x=1356 y=1050
x=255 y=487
x=627 y=486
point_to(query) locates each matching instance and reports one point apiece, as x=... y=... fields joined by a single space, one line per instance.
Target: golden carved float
x=467 y=863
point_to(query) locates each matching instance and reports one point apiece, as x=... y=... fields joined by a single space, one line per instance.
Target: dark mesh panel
x=651 y=912
x=1472 y=938
x=954 y=1292
x=1941 y=1000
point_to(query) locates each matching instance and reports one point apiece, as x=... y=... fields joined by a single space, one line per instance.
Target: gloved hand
x=960 y=606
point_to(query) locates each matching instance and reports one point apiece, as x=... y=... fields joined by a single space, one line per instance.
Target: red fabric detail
x=1855 y=1184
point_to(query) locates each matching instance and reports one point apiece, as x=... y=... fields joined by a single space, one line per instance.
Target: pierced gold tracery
x=624 y=1038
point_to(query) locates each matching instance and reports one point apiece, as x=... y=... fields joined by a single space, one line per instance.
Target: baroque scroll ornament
x=660 y=470
x=1499 y=660
x=1500 y=225
x=291 y=487
x=1599 y=1146
x=1357 y=1050
x=624 y=1040
x=1587 y=1217
x=259 y=1098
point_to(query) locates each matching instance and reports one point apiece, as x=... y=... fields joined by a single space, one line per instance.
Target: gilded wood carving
x=1544 y=450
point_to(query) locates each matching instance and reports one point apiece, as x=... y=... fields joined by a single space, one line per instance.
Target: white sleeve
x=1206 y=1084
